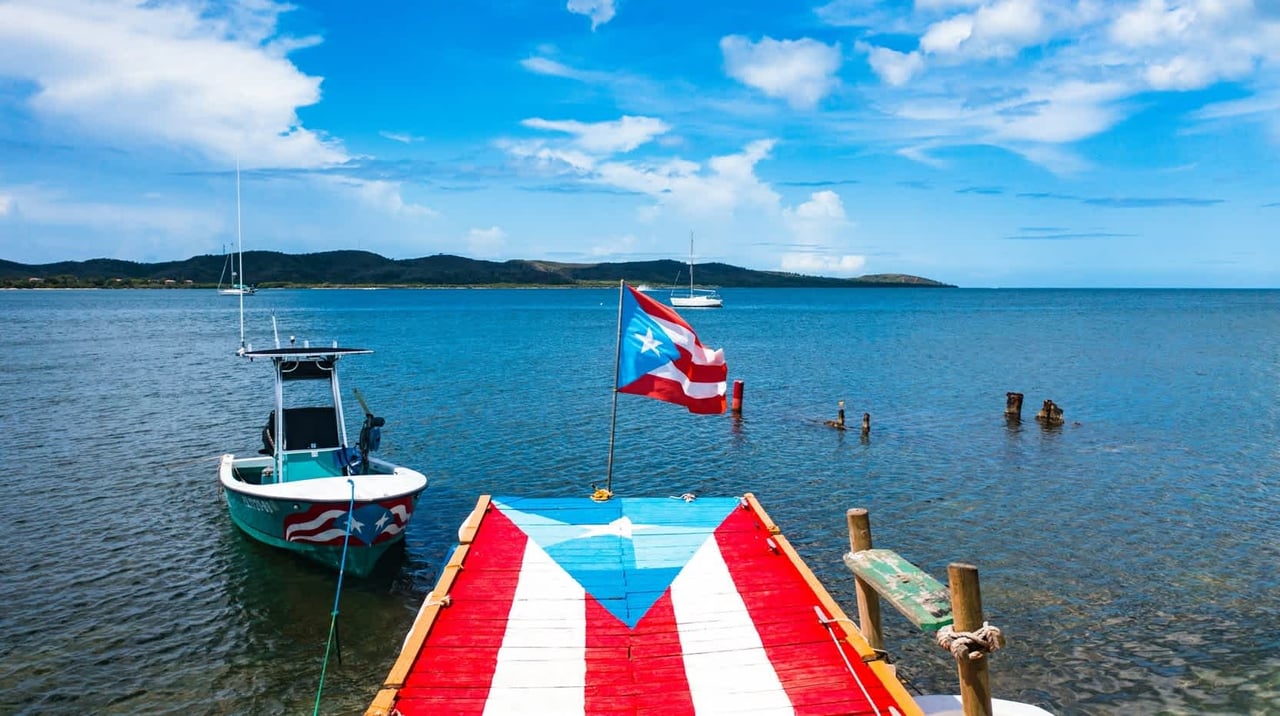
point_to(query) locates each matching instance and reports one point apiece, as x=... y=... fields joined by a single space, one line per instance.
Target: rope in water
x=333 y=620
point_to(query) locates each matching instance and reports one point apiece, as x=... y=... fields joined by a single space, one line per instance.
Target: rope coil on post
x=971 y=645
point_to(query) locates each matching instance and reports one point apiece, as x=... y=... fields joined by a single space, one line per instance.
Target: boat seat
x=310 y=429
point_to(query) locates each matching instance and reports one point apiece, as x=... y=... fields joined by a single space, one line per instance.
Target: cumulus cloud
x=823 y=264
x=801 y=72
x=893 y=67
x=600 y=11
x=622 y=135
x=168 y=74
x=487 y=243
x=819 y=224
x=726 y=184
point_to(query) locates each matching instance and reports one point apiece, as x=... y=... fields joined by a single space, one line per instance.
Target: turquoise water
x=1130 y=556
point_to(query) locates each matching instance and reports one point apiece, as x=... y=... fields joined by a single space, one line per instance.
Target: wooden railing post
x=966 y=609
x=868 y=599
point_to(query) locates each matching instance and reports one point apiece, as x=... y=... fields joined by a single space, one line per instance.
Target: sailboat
x=237 y=287
x=695 y=297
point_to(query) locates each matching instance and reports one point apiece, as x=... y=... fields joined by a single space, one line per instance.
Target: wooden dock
x=632 y=606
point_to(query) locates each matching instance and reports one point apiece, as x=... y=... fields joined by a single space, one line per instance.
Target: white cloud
x=823 y=264
x=168 y=74
x=801 y=72
x=820 y=220
x=487 y=243
x=50 y=208
x=402 y=137
x=622 y=135
x=384 y=196
x=999 y=29
x=819 y=225
x=600 y=11
x=1151 y=22
x=547 y=66
x=727 y=184
x=946 y=36
x=895 y=68
x=971 y=80
x=5 y=203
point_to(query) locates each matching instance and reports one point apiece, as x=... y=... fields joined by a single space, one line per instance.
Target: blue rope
x=333 y=621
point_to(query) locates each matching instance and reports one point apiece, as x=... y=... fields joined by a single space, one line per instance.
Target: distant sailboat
x=695 y=297
x=237 y=287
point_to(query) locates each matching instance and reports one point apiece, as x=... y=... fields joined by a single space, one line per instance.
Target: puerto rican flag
x=371 y=522
x=633 y=606
x=659 y=356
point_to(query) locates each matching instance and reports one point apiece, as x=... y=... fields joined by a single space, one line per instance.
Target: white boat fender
x=951 y=705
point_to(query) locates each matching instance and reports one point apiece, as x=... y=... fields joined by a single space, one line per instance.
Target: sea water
x=1130 y=555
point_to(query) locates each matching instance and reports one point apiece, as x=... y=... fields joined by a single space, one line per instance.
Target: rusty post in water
x=1050 y=414
x=868 y=600
x=737 y=397
x=866 y=424
x=1013 y=407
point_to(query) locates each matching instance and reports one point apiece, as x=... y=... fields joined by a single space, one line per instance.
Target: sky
x=982 y=143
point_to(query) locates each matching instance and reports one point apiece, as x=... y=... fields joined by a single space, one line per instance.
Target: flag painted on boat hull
x=689 y=611
x=325 y=523
x=661 y=357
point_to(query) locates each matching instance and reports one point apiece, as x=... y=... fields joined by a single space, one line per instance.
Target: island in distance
x=271 y=269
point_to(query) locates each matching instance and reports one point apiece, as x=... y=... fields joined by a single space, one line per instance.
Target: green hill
x=270 y=269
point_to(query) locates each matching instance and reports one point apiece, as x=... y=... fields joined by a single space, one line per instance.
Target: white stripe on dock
x=724 y=659
x=542 y=661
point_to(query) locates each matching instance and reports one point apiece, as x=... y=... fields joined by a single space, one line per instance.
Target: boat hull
x=697 y=302
x=310 y=518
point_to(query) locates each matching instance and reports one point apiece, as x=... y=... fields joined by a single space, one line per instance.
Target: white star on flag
x=648 y=342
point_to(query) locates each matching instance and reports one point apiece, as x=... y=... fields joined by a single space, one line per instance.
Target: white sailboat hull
x=697 y=302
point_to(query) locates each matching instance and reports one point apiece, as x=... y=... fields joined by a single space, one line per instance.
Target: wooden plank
x=852 y=636
x=385 y=700
x=919 y=597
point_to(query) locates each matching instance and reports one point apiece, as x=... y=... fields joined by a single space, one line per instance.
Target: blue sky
x=977 y=142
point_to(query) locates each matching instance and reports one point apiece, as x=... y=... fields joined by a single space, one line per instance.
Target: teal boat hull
x=317 y=530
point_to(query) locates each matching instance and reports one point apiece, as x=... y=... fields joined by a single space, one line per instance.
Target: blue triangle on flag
x=624 y=552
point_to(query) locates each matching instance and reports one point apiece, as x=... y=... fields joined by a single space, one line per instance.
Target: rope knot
x=602 y=494
x=970 y=645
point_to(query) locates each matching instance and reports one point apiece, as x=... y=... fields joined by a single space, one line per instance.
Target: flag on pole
x=659 y=356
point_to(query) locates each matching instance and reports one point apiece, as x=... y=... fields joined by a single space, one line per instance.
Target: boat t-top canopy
x=305 y=353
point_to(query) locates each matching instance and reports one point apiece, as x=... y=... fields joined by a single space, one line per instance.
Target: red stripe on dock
x=781 y=603
x=638 y=671
x=455 y=667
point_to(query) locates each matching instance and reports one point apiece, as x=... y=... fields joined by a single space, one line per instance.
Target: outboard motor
x=370 y=438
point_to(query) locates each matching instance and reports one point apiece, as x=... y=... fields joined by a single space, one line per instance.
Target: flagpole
x=613 y=419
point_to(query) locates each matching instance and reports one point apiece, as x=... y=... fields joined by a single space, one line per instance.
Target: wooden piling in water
x=868 y=600
x=1050 y=414
x=866 y=424
x=1013 y=407
x=838 y=423
x=966 y=610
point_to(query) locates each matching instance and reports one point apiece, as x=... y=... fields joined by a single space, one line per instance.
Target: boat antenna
x=274 y=330
x=240 y=254
x=601 y=495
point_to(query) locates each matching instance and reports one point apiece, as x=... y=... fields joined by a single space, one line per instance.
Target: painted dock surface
x=632 y=606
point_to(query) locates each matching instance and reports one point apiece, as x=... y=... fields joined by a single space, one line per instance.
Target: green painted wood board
x=918 y=596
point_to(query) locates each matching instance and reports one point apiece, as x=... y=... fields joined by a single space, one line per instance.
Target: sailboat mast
x=239 y=255
x=691 y=263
